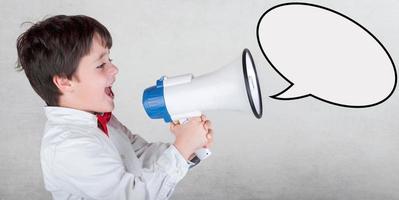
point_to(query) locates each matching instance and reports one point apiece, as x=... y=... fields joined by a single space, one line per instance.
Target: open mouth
x=108 y=91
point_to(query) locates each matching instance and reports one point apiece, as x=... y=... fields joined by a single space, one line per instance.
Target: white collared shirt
x=80 y=162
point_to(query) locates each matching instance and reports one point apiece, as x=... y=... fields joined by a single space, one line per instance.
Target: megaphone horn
x=233 y=87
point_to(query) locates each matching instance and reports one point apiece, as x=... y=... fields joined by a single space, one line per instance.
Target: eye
x=101 y=66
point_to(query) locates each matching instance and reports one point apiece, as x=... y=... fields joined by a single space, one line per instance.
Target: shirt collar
x=69 y=115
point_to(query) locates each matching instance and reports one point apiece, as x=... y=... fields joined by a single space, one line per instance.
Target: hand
x=190 y=136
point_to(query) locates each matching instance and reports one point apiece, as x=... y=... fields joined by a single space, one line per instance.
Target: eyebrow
x=102 y=55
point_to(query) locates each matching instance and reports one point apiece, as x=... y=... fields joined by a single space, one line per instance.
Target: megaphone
x=232 y=87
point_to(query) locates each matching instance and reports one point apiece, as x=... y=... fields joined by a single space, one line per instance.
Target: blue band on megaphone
x=154 y=102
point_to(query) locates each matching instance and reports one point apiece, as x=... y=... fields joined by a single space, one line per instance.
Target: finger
x=209 y=138
x=172 y=126
x=203 y=118
x=208 y=125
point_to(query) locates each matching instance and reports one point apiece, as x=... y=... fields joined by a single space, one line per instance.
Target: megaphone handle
x=200 y=155
x=203 y=153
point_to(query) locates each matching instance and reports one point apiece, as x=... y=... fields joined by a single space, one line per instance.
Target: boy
x=66 y=60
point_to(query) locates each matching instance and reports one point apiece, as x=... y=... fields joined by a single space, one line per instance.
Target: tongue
x=109 y=92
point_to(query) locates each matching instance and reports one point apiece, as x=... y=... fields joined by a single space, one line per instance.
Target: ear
x=63 y=83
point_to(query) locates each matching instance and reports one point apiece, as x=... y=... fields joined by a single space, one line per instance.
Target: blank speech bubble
x=325 y=54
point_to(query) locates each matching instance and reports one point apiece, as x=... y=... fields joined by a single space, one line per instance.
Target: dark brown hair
x=55 y=46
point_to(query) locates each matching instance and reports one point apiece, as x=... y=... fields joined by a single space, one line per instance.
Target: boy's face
x=93 y=80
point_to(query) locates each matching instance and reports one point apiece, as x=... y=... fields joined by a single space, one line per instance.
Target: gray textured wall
x=302 y=149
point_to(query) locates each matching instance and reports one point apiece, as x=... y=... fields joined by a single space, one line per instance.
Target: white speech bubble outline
x=296 y=92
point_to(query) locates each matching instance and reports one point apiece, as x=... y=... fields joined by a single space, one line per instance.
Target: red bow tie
x=102 y=120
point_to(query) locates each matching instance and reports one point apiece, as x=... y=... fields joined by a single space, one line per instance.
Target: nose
x=113 y=70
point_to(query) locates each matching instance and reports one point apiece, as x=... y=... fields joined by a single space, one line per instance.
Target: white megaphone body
x=233 y=87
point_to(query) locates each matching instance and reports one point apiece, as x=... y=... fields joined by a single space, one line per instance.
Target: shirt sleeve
x=145 y=151
x=84 y=167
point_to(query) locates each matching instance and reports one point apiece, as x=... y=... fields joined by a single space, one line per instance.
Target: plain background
x=302 y=149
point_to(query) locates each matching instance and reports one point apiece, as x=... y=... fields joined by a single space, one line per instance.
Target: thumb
x=172 y=126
